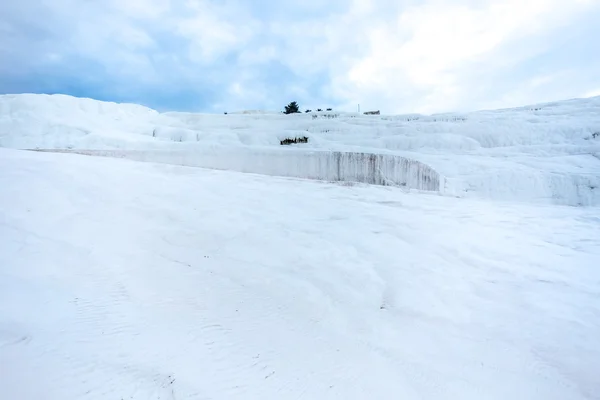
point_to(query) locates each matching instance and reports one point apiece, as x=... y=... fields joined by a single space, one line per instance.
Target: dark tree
x=292 y=108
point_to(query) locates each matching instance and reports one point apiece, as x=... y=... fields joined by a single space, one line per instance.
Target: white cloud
x=258 y=55
x=430 y=44
x=141 y=9
x=215 y=30
x=592 y=93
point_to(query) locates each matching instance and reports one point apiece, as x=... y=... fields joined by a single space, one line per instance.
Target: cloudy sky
x=398 y=56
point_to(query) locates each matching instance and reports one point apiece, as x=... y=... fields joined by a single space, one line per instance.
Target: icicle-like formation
x=376 y=169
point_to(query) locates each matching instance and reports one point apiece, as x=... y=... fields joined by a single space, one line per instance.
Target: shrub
x=289 y=141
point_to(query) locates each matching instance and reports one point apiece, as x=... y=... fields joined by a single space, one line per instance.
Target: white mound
x=548 y=153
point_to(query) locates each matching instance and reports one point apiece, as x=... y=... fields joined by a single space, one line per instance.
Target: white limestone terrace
x=546 y=153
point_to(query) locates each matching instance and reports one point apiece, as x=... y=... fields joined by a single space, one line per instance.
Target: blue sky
x=398 y=56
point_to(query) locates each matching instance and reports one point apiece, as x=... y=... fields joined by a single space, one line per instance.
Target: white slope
x=548 y=153
x=128 y=280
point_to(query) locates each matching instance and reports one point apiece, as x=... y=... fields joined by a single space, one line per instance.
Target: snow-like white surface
x=129 y=280
x=549 y=153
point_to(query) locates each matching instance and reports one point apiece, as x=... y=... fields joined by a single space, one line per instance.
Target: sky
x=397 y=56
